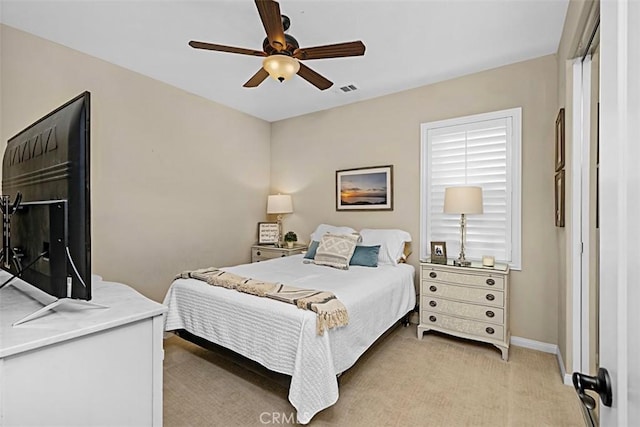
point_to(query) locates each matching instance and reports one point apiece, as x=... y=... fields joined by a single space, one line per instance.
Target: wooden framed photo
x=439 y=252
x=365 y=189
x=560 y=140
x=559 y=193
x=268 y=233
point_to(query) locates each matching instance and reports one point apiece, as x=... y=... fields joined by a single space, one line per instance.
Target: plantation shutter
x=471 y=154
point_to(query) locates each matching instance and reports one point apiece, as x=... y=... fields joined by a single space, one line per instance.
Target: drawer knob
x=433 y=275
x=258 y=253
x=433 y=288
x=432 y=318
x=491 y=282
x=433 y=303
x=490 y=297
x=490 y=313
x=490 y=331
x=282 y=255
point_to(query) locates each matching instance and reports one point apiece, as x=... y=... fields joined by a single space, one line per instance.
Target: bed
x=282 y=337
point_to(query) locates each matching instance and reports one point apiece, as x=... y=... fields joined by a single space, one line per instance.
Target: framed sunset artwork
x=365 y=189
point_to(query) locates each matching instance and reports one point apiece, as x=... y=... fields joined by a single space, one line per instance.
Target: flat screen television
x=46 y=202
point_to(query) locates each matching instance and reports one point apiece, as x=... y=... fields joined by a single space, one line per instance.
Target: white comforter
x=281 y=336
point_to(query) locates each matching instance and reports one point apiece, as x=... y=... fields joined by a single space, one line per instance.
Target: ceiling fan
x=282 y=52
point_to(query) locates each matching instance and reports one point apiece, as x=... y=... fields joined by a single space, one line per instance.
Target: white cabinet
x=263 y=253
x=469 y=302
x=80 y=366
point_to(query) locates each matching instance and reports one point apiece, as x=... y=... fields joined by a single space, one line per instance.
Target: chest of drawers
x=263 y=253
x=467 y=302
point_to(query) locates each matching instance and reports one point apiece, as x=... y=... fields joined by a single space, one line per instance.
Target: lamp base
x=461 y=263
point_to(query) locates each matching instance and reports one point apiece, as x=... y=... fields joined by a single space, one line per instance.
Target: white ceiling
x=408 y=43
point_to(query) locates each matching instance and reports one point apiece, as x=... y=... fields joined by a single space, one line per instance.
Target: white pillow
x=325 y=228
x=391 y=243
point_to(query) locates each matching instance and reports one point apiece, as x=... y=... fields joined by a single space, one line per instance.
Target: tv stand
x=56 y=303
x=78 y=367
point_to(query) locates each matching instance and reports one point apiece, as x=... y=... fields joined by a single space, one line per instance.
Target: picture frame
x=439 y=252
x=268 y=233
x=598 y=167
x=559 y=197
x=365 y=189
x=560 y=146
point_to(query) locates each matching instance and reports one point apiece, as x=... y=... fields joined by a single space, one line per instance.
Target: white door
x=620 y=208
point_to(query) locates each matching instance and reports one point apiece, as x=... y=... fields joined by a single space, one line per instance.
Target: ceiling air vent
x=348 y=88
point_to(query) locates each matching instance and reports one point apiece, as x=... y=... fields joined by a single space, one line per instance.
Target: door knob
x=601 y=384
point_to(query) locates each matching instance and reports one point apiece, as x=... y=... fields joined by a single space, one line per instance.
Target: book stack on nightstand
x=265 y=252
x=468 y=302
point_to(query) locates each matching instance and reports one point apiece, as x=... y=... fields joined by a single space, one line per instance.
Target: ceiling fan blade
x=314 y=78
x=331 y=51
x=269 y=11
x=222 y=48
x=257 y=78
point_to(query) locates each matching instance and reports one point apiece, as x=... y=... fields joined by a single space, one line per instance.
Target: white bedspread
x=281 y=336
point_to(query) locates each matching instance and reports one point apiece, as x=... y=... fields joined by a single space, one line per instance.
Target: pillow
x=365 y=256
x=311 y=251
x=325 y=228
x=406 y=252
x=391 y=243
x=336 y=250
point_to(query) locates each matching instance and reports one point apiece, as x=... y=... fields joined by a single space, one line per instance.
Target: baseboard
x=546 y=348
x=566 y=378
x=534 y=345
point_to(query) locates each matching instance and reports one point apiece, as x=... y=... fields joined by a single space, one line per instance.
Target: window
x=481 y=150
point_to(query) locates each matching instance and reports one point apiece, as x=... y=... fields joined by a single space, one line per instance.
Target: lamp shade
x=463 y=200
x=281 y=67
x=279 y=204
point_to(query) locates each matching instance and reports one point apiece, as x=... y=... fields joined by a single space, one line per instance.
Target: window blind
x=476 y=154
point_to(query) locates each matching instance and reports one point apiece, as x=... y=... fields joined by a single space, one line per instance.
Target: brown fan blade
x=221 y=48
x=331 y=51
x=314 y=78
x=269 y=11
x=257 y=78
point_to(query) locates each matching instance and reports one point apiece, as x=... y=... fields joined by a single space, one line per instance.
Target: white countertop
x=18 y=299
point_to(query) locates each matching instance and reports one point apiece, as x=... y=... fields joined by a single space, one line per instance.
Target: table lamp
x=463 y=201
x=279 y=204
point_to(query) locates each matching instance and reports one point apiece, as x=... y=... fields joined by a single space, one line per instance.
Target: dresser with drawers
x=263 y=253
x=468 y=302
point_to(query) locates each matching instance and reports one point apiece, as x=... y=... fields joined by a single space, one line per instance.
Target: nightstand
x=263 y=253
x=468 y=302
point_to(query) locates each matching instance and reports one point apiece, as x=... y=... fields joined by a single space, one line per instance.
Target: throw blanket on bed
x=331 y=313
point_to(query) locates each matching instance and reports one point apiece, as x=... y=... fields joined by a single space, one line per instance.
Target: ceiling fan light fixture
x=281 y=52
x=281 y=67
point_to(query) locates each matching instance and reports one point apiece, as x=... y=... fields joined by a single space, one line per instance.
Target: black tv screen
x=46 y=168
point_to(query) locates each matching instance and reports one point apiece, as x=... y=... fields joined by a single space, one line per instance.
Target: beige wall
x=306 y=151
x=160 y=156
x=177 y=181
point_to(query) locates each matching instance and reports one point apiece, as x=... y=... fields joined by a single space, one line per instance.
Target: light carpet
x=401 y=381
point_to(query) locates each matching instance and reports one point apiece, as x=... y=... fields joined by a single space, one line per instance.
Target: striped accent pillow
x=336 y=250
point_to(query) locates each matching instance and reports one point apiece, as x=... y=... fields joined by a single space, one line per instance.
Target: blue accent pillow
x=311 y=251
x=366 y=256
